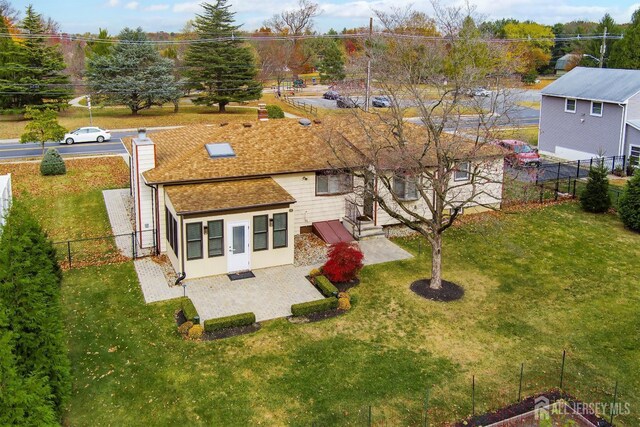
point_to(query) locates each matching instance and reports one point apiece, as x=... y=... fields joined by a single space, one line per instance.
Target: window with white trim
x=461 y=172
x=596 y=108
x=333 y=182
x=570 y=105
x=404 y=186
x=634 y=155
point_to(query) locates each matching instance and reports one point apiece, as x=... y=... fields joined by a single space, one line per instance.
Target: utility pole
x=603 y=47
x=89 y=105
x=368 y=88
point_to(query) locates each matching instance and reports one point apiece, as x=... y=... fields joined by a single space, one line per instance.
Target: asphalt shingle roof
x=599 y=84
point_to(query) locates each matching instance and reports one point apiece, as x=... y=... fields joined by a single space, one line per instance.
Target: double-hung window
x=404 y=186
x=172 y=230
x=260 y=232
x=280 y=230
x=596 y=109
x=461 y=172
x=216 y=238
x=332 y=182
x=570 y=105
x=194 y=240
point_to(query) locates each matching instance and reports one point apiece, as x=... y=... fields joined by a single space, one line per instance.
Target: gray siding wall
x=631 y=138
x=562 y=132
x=633 y=110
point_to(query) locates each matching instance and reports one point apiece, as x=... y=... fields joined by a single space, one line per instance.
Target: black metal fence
x=487 y=402
x=106 y=249
x=558 y=180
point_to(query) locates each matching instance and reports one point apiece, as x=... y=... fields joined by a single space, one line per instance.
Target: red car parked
x=519 y=153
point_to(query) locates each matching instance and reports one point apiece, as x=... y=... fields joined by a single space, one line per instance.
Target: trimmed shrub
x=595 y=197
x=344 y=263
x=185 y=327
x=629 y=204
x=275 y=112
x=315 y=272
x=326 y=287
x=195 y=333
x=344 y=303
x=188 y=309
x=243 y=319
x=52 y=163
x=305 y=308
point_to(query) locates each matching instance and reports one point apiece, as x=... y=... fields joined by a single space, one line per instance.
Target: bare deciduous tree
x=425 y=176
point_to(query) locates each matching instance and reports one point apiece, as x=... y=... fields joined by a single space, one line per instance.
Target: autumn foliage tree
x=344 y=262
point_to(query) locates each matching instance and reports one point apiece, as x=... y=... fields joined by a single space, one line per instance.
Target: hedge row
x=188 y=309
x=243 y=319
x=326 y=287
x=305 y=308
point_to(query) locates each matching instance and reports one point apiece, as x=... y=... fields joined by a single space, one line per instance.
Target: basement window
x=219 y=150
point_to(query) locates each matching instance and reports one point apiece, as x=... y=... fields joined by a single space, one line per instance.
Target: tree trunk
x=221 y=107
x=176 y=106
x=436 y=262
x=134 y=111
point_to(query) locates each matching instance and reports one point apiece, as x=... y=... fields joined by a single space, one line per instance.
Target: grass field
x=528 y=134
x=537 y=282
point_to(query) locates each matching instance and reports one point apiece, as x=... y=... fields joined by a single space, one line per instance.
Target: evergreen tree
x=331 y=64
x=9 y=68
x=52 y=163
x=39 y=67
x=626 y=52
x=30 y=280
x=133 y=74
x=23 y=400
x=223 y=69
x=100 y=46
x=595 y=45
x=629 y=204
x=595 y=197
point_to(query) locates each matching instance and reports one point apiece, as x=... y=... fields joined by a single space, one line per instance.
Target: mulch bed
x=345 y=286
x=528 y=405
x=448 y=292
x=222 y=333
x=316 y=317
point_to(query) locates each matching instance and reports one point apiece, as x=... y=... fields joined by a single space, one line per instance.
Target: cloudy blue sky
x=79 y=16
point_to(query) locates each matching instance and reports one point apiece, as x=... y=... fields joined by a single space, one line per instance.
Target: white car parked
x=88 y=134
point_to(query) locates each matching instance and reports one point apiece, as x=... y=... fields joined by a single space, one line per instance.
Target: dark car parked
x=332 y=94
x=346 y=102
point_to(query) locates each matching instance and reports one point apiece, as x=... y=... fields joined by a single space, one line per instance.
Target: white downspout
x=623 y=130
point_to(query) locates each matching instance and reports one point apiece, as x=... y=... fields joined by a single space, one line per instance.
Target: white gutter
x=623 y=131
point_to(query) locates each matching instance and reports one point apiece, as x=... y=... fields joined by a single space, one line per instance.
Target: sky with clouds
x=79 y=16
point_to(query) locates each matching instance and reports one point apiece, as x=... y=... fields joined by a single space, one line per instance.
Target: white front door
x=238 y=258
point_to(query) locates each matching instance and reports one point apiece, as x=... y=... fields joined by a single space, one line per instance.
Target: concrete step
x=373 y=233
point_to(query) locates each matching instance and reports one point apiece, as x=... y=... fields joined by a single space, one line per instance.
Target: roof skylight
x=220 y=150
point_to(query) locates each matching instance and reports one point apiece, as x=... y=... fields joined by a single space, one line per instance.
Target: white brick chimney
x=143 y=158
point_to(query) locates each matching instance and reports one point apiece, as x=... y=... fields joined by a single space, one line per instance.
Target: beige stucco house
x=224 y=198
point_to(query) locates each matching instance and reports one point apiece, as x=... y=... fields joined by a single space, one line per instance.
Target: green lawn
x=536 y=282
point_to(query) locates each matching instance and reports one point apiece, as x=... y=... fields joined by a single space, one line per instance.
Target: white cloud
x=113 y=3
x=133 y=5
x=192 y=6
x=156 y=7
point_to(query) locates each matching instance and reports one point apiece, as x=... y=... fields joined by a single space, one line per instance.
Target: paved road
x=14 y=150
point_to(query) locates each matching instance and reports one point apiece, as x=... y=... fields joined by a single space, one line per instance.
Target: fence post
x=578 y=171
x=613 y=164
x=69 y=251
x=473 y=396
x=613 y=407
x=558 y=172
x=575 y=181
x=564 y=354
x=520 y=387
x=370 y=416
x=133 y=245
x=624 y=162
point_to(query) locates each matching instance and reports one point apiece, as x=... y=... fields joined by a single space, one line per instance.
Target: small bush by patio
x=275 y=112
x=196 y=332
x=184 y=328
x=629 y=204
x=242 y=319
x=305 y=308
x=344 y=263
x=325 y=286
x=344 y=301
x=189 y=310
x=52 y=163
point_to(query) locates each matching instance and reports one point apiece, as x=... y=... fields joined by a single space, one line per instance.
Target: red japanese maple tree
x=344 y=263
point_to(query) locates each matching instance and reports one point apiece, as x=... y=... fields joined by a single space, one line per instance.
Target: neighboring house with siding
x=5 y=196
x=225 y=198
x=589 y=112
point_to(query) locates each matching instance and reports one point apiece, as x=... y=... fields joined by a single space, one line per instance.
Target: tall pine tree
x=331 y=63
x=10 y=68
x=39 y=72
x=133 y=73
x=30 y=280
x=223 y=69
x=626 y=52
